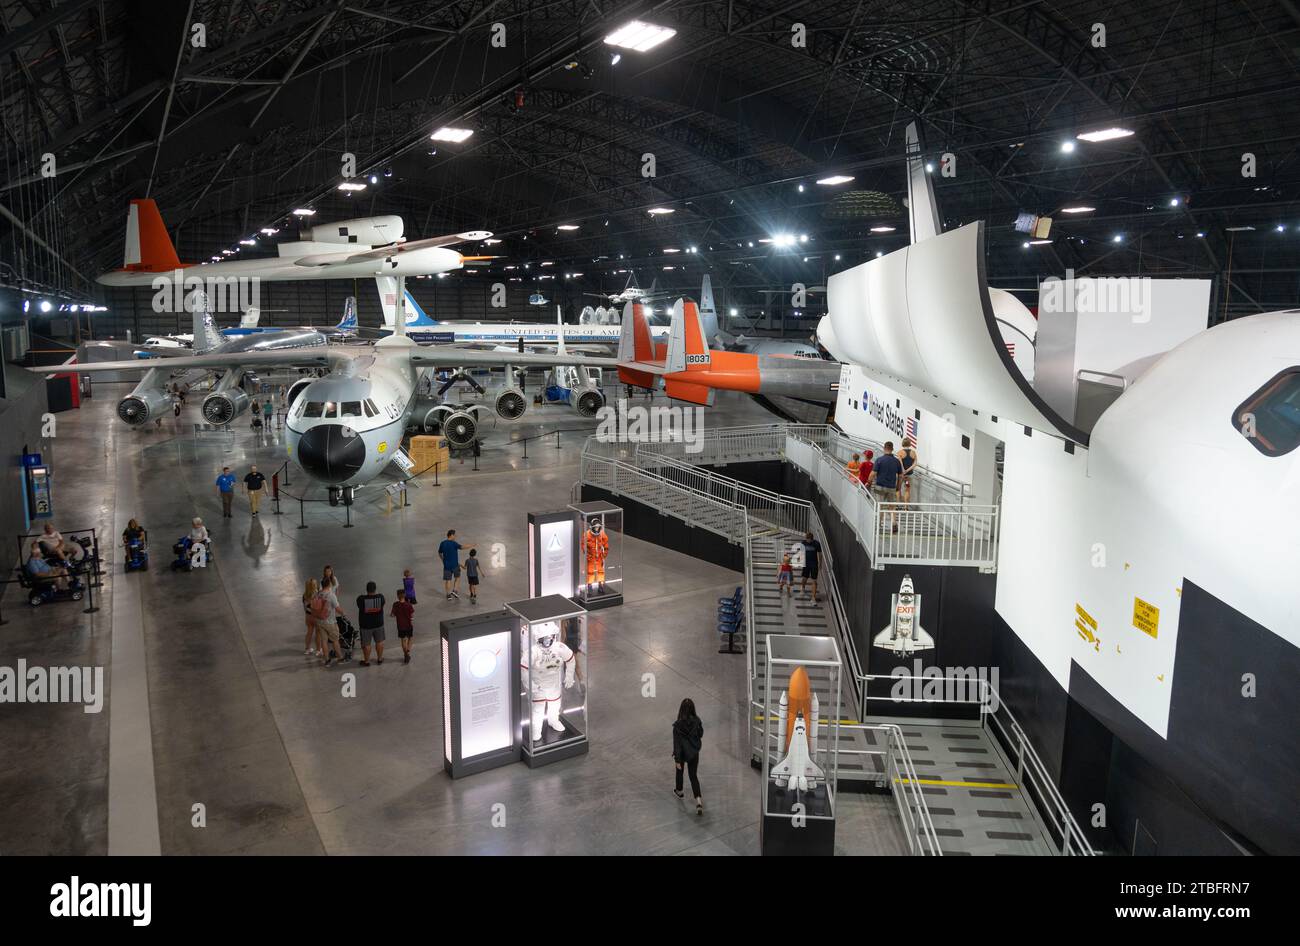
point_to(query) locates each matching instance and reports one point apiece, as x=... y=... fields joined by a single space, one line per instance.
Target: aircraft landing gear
x=341 y=494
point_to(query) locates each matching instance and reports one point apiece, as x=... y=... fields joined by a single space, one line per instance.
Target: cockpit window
x=312 y=409
x=1270 y=418
x=370 y=409
x=331 y=410
x=351 y=409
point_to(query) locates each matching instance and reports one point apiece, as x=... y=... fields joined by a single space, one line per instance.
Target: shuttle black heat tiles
x=991 y=816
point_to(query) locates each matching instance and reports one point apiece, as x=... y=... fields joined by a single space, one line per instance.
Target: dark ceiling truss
x=233 y=136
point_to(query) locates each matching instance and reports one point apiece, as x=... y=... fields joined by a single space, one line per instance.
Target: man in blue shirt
x=449 y=552
x=884 y=479
x=226 y=487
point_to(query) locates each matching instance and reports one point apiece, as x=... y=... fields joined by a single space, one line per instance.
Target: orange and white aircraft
x=360 y=248
x=691 y=371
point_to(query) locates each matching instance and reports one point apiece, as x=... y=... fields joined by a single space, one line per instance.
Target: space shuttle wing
x=307 y=357
x=921 y=317
x=781 y=769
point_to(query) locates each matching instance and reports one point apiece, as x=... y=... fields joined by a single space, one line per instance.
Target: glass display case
x=600 y=554
x=480 y=680
x=553 y=678
x=801 y=729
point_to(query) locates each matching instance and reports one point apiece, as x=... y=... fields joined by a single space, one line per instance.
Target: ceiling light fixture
x=835 y=179
x=447 y=133
x=304 y=212
x=882 y=229
x=659 y=211
x=1080 y=209
x=639 y=37
x=1104 y=134
x=351 y=186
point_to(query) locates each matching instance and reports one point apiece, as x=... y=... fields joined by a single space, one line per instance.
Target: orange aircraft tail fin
x=148 y=247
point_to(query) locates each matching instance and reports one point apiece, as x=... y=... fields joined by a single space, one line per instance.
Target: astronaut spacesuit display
x=551 y=665
x=596 y=545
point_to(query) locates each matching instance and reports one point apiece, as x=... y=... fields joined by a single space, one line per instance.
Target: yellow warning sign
x=1146 y=617
x=1086 y=625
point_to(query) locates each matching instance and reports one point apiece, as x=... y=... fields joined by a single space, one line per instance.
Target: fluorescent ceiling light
x=549 y=263
x=640 y=37
x=351 y=186
x=835 y=179
x=1237 y=229
x=1039 y=242
x=567 y=226
x=671 y=249
x=270 y=231
x=1104 y=134
x=248 y=243
x=656 y=211
x=490 y=242
x=1080 y=209
x=882 y=229
x=304 y=212
x=447 y=133
x=669 y=267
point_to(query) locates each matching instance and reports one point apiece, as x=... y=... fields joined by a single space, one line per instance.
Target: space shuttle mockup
x=797 y=724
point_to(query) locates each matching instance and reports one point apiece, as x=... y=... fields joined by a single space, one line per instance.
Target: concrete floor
x=206 y=670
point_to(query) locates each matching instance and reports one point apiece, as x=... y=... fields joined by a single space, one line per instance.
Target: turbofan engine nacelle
x=460 y=429
x=363 y=232
x=509 y=403
x=586 y=401
x=221 y=407
x=140 y=407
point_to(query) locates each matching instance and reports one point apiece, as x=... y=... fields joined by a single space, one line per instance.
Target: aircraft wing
x=447 y=357
x=313 y=357
x=383 y=252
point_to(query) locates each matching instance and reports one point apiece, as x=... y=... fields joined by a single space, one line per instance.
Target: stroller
x=347 y=636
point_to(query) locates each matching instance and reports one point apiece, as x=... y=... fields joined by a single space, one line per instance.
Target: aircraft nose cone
x=331 y=453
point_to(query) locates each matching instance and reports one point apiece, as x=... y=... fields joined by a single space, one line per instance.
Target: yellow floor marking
x=935 y=781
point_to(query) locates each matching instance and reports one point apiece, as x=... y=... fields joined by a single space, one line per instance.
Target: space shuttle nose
x=331 y=453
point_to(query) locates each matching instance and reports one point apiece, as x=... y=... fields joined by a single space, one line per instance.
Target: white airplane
x=248 y=325
x=344 y=428
x=349 y=249
x=424 y=330
x=904 y=634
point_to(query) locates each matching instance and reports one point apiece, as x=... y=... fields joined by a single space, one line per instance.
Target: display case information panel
x=485 y=694
x=557 y=558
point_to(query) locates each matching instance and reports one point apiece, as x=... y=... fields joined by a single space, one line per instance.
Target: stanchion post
x=525 y=448
x=557 y=440
x=347 y=512
x=302 y=518
x=405 y=499
x=436 y=467
x=90 y=599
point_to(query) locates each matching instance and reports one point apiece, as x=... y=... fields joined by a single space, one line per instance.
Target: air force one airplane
x=348 y=249
x=345 y=427
x=424 y=330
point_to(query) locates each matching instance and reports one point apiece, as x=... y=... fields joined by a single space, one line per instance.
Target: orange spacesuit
x=597 y=545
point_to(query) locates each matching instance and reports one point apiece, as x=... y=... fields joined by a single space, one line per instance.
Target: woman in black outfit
x=688 y=734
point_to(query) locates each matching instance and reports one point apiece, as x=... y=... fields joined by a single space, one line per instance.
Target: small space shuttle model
x=797 y=725
x=904 y=634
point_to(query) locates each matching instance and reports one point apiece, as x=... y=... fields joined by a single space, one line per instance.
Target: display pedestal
x=780 y=838
x=538 y=754
x=598 y=601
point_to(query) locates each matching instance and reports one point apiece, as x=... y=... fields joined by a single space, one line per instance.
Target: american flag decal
x=1011 y=348
x=909 y=428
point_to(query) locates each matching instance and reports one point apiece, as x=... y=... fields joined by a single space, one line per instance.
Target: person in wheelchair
x=200 y=543
x=132 y=535
x=41 y=572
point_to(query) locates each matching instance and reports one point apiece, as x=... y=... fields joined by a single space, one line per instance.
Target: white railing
x=773 y=509
x=692 y=506
x=1003 y=730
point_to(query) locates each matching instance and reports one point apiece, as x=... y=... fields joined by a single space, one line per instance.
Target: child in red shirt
x=404 y=612
x=864 y=471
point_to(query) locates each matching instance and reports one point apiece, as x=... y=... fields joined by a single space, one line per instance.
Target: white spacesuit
x=551 y=665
